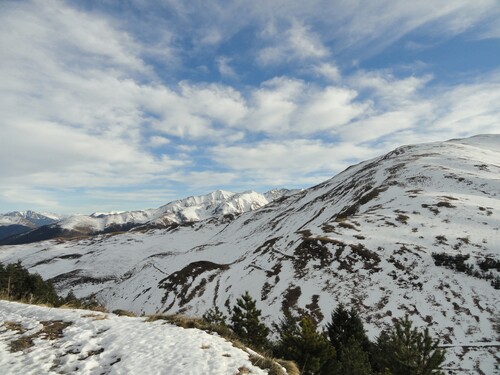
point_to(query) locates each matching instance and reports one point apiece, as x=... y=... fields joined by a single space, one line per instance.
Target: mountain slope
x=86 y=342
x=365 y=238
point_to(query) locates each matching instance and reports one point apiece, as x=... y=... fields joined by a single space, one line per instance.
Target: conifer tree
x=306 y=346
x=245 y=322
x=17 y=283
x=407 y=351
x=215 y=316
x=346 y=326
x=350 y=360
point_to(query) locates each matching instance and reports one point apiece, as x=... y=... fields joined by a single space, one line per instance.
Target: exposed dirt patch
x=179 y=283
x=314 y=309
x=290 y=298
x=51 y=330
x=311 y=250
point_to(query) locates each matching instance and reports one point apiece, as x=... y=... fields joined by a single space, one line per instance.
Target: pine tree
x=215 y=316
x=306 y=346
x=245 y=322
x=350 y=360
x=18 y=284
x=346 y=326
x=407 y=351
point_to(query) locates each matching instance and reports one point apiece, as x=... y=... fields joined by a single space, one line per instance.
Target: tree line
x=18 y=284
x=343 y=348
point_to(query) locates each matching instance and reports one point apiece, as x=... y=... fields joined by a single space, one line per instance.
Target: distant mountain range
x=17 y=222
x=29 y=226
x=415 y=231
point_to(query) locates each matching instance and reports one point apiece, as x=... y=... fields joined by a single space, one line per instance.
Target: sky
x=124 y=105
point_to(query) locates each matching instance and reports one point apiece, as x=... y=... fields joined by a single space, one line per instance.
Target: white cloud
x=158 y=141
x=290 y=106
x=328 y=71
x=29 y=198
x=366 y=27
x=225 y=70
x=296 y=43
x=293 y=162
x=205 y=180
x=273 y=105
x=470 y=108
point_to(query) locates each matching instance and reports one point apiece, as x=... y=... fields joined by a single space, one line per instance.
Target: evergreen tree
x=407 y=351
x=245 y=322
x=346 y=326
x=350 y=360
x=306 y=346
x=17 y=283
x=215 y=316
x=286 y=327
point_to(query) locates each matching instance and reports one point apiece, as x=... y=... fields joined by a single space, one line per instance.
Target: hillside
x=366 y=238
x=41 y=340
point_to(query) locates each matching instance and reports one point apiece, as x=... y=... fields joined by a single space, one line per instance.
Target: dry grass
x=21 y=343
x=51 y=330
x=267 y=363
x=290 y=366
x=14 y=326
x=95 y=316
x=121 y=312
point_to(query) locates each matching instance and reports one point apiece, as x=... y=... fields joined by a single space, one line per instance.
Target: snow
x=103 y=343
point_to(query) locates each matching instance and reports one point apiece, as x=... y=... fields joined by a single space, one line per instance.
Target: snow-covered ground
x=68 y=341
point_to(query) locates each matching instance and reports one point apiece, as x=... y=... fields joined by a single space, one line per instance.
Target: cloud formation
x=96 y=102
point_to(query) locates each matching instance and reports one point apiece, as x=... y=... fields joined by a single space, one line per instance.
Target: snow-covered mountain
x=17 y=222
x=365 y=238
x=40 y=340
x=28 y=218
x=218 y=205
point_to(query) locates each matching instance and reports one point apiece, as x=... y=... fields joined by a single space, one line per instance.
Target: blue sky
x=121 y=105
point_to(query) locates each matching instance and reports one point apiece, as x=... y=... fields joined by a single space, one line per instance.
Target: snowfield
x=87 y=342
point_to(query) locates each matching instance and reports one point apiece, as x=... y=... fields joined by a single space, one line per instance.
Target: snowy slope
x=86 y=342
x=364 y=238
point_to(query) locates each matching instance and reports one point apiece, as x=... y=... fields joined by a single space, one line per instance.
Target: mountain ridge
x=215 y=205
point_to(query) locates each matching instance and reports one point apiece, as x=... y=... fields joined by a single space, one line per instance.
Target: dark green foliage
x=304 y=345
x=17 y=283
x=350 y=360
x=488 y=264
x=215 y=316
x=457 y=263
x=245 y=322
x=345 y=327
x=407 y=351
x=454 y=262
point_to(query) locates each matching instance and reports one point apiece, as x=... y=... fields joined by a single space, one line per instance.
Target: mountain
x=217 y=205
x=60 y=341
x=413 y=232
x=17 y=222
